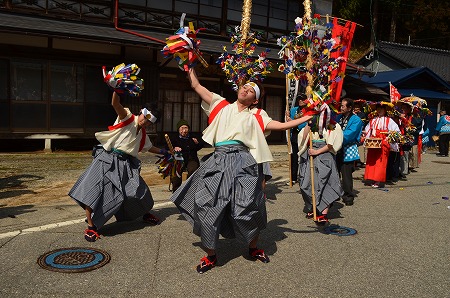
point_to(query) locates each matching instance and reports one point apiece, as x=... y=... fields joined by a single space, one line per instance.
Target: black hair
x=262 y=94
x=350 y=103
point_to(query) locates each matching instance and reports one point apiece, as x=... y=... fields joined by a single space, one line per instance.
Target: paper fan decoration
x=123 y=79
x=170 y=165
x=314 y=40
x=242 y=66
x=184 y=46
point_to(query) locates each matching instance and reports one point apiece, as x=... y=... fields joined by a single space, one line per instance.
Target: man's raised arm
x=204 y=93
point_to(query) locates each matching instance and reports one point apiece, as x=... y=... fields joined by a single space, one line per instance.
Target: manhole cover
x=340 y=231
x=73 y=260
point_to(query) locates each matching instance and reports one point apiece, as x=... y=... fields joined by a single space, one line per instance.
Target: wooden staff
x=311 y=166
x=169 y=143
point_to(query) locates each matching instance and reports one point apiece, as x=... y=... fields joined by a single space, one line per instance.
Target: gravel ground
x=46 y=178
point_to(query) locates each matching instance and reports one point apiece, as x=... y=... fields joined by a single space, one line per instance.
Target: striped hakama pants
x=327 y=184
x=112 y=185
x=224 y=195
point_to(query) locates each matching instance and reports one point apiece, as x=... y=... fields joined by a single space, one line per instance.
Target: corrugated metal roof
x=415 y=56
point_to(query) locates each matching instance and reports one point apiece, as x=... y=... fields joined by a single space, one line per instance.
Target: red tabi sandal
x=259 y=254
x=91 y=235
x=151 y=219
x=206 y=264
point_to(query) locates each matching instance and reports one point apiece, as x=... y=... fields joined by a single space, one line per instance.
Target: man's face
x=142 y=121
x=247 y=96
x=183 y=130
x=381 y=111
x=344 y=109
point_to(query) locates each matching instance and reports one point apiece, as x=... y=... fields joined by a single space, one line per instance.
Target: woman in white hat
x=377 y=158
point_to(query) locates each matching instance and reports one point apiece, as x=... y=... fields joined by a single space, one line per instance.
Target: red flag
x=393 y=93
x=345 y=32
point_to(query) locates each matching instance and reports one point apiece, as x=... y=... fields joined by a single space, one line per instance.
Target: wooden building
x=52 y=53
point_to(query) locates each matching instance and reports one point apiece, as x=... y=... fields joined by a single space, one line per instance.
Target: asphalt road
x=401 y=248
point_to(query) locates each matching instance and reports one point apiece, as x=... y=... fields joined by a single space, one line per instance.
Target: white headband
x=255 y=87
x=147 y=114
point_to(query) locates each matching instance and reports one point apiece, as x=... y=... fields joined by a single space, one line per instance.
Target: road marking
x=60 y=224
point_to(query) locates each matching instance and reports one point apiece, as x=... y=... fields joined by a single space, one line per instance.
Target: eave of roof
x=400 y=76
x=36 y=25
x=438 y=60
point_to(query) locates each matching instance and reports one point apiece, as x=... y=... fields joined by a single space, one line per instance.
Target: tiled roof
x=415 y=56
x=15 y=23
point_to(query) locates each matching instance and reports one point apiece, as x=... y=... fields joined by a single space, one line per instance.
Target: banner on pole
x=345 y=33
x=393 y=93
x=292 y=92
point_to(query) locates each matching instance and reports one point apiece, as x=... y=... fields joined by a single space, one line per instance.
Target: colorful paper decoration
x=170 y=165
x=123 y=79
x=315 y=55
x=184 y=46
x=242 y=67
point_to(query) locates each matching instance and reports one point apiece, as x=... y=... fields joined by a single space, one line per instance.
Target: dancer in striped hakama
x=327 y=185
x=224 y=196
x=112 y=184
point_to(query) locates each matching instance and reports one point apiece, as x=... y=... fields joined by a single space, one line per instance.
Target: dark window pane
x=28 y=80
x=99 y=116
x=277 y=24
x=3 y=83
x=158 y=4
x=234 y=15
x=96 y=89
x=67 y=82
x=28 y=115
x=4 y=116
x=66 y=116
x=134 y=2
x=189 y=7
x=282 y=4
x=214 y=12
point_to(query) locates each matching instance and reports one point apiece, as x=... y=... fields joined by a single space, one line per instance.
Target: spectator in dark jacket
x=188 y=146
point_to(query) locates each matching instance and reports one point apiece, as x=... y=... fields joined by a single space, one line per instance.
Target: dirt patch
x=40 y=178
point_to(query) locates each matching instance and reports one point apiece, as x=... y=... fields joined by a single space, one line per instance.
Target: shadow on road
x=16 y=185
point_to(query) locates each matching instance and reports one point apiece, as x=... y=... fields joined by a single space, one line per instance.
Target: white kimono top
x=379 y=124
x=126 y=138
x=333 y=137
x=230 y=124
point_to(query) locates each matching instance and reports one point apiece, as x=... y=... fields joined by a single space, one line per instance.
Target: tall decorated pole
x=246 y=19
x=241 y=66
x=308 y=92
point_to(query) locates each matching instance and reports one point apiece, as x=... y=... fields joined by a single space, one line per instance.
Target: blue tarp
x=423 y=93
x=399 y=78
